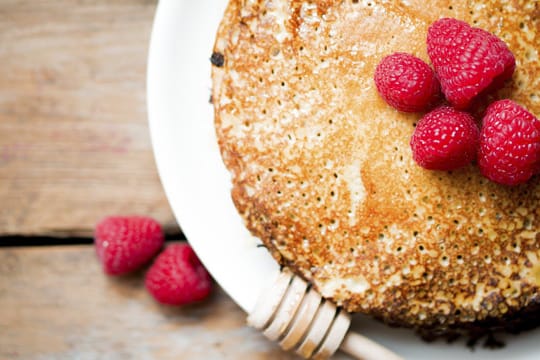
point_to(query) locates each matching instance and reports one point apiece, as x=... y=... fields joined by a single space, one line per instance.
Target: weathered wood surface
x=55 y=303
x=74 y=142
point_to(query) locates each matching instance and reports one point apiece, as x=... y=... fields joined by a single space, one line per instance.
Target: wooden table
x=74 y=147
x=74 y=143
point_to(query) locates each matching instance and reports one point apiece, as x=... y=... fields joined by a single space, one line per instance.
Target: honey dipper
x=294 y=314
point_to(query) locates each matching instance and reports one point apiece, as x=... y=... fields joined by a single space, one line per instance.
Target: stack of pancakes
x=323 y=173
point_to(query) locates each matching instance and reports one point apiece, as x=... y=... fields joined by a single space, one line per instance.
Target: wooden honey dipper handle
x=296 y=316
x=361 y=347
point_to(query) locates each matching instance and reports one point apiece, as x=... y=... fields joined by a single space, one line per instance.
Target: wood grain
x=56 y=303
x=74 y=142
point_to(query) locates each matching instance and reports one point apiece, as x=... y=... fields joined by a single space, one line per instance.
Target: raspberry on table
x=407 y=83
x=125 y=243
x=509 y=151
x=445 y=139
x=177 y=277
x=468 y=61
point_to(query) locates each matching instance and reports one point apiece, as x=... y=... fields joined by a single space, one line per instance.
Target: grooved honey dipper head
x=290 y=312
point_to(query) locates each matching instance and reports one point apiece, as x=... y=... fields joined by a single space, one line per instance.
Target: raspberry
x=509 y=150
x=445 y=139
x=177 y=277
x=407 y=83
x=123 y=244
x=468 y=61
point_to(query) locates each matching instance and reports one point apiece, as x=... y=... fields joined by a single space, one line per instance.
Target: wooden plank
x=56 y=303
x=74 y=142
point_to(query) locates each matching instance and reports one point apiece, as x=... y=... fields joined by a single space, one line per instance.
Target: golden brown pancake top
x=323 y=173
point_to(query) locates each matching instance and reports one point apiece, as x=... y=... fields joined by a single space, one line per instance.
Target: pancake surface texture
x=323 y=173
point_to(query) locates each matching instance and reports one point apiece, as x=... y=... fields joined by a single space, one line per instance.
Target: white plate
x=198 y=185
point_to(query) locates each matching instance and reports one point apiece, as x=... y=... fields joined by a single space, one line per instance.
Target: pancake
x=323 y=174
